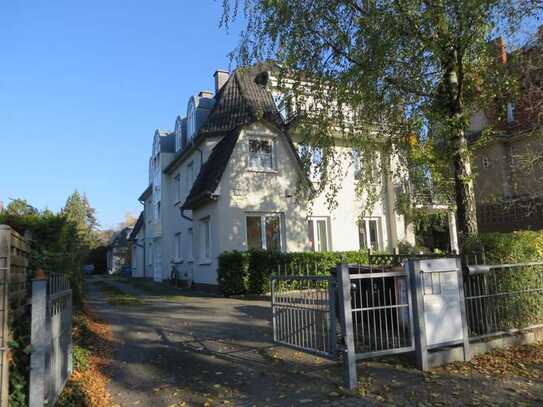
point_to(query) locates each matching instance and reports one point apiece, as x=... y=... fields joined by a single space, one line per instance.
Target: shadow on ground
x=195 y=348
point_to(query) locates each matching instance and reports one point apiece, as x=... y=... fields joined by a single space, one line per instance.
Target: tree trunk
x=464 y=190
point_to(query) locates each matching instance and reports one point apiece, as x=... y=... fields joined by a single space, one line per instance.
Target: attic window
x=261 y=154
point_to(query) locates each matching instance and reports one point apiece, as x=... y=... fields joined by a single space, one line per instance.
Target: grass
x=116 y=296
x=159 y=290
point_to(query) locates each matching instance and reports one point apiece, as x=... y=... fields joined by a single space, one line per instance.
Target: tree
x=78 y=212
x=413 y=69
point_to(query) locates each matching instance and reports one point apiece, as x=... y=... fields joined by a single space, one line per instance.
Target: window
x=369 y=234
x=178 y=247
x=261 y=154
x=177 y=188
x=485 y=162
x=149 y=254
x=365 y=164
x=264 y=232
x=283 y=103
x=190 y=256
x=510 y=112
x=318 y=234
x=205 y=240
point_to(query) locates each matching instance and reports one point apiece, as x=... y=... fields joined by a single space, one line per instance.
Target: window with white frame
x=263 y=231
x=319 y=234
x=190 y=256
x=369 y=233
x=178 y=247
x=205 y=240
x=261 y=154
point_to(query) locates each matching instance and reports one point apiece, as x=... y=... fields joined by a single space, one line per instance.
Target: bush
x=525 y=307
x=249 y=272
x=516 y=247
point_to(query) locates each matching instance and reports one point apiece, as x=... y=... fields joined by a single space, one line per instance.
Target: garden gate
x=373 y=305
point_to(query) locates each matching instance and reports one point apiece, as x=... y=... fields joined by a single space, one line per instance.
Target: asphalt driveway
x=183 y=348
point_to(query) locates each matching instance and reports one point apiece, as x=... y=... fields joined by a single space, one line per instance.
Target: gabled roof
x=244 y=99
x=120 y=238
x=137 y=227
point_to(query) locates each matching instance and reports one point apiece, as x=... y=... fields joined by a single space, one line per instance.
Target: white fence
x=51 y=338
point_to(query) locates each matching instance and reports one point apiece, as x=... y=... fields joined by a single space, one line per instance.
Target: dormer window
x=261 y=154
x=191 y=120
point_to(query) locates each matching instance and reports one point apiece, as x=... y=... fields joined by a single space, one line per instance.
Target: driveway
x=200 y=349
x=182 y=348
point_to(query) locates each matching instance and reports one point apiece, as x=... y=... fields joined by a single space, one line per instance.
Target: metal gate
x=304 y=313
x=381 y=311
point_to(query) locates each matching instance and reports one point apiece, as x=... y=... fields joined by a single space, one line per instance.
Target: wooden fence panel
x=14 y=255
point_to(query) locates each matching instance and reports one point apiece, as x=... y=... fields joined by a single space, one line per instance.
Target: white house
x=226 y=179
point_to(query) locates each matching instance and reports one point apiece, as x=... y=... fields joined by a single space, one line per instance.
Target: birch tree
x=413 y=69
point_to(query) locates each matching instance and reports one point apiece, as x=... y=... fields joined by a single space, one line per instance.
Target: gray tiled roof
x=240 y=102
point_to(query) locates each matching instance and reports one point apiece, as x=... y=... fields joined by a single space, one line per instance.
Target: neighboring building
x=509 y=166
x=137 y=240
x=118 y=251
x=226 y=178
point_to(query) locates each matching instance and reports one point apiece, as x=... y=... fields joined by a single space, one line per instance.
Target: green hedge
x=249 y=272
x=525 y=308
x=516 y=247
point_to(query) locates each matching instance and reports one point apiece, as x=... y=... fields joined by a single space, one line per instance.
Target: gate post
x=38 y=340
x=346 y=318
x=419 y=324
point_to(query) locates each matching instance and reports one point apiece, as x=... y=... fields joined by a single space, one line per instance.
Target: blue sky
x=83 y=85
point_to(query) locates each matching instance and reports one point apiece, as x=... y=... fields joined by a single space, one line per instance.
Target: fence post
x=419 y=324
x=38 y=339
x=463 y=314
x=5 y=235
x=346 y=318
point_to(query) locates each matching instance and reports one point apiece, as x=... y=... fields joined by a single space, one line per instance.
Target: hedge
x=249 y=272
x=499 y=248
x=526 y=307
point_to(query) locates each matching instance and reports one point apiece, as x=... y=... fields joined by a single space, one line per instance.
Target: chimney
x=221 y=76
x=501 y=50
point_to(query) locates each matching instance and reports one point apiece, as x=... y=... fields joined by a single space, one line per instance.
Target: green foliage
x=402 y=68
x=80 y=357
x=516 y=247
x=523 y=307
x=249 y=272
x=19 y=368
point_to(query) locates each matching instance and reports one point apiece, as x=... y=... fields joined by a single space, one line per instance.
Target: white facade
x=254 y=205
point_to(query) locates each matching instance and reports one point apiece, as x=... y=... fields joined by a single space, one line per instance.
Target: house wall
x=242 y=191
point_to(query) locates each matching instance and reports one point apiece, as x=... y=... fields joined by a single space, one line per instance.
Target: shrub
x=525 y=307
x=249 y=272
x=516 y=247
x=233 y=272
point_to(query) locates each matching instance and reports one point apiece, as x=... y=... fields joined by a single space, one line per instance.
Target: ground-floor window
x=319 y=234
x=205 y=240
x=178 y=247
x=369 y=233
x=264 y=231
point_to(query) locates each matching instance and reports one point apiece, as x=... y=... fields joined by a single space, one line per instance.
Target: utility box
x=439 y=311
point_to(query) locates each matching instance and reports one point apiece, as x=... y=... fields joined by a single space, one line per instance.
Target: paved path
x=202 y=348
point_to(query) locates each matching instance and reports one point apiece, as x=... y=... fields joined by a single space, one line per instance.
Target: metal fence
x=503 y=298
x=14 y=253
x=381 y=311
x=51 y=337
x=303 y=312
